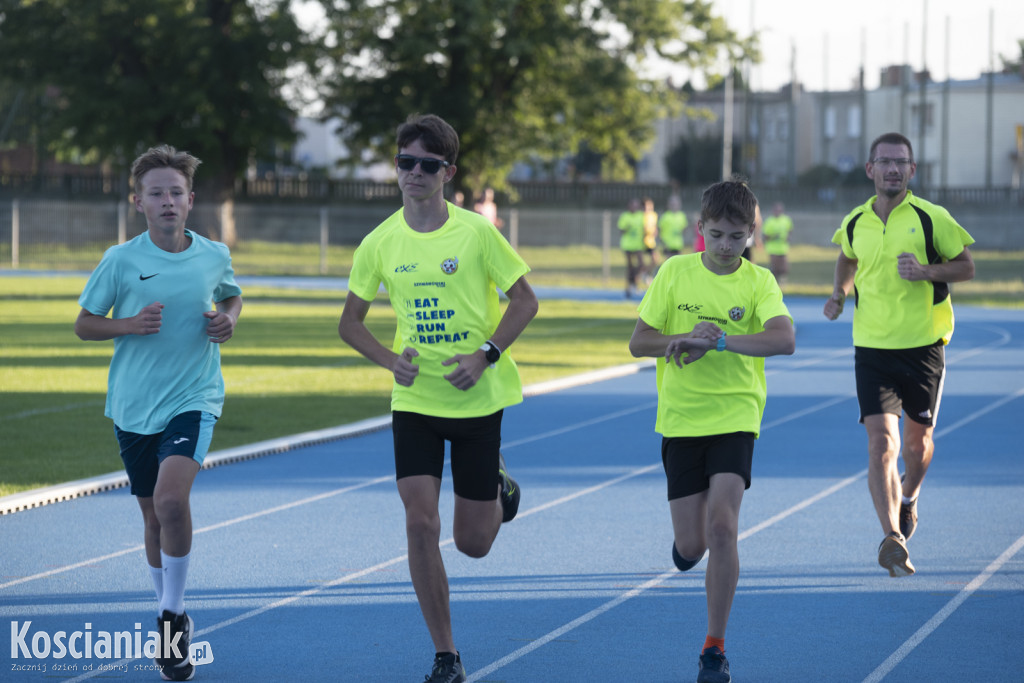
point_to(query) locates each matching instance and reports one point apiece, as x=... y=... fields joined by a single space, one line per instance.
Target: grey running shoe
x=908 y=518
x=447 y=669
x=509 y=492
x=893 y=555
x=713 y=667
x=908 y=514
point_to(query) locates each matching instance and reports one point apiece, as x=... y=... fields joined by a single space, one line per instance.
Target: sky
x=832 y=39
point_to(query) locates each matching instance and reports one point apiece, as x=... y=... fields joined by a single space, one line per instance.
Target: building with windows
x=966 y=134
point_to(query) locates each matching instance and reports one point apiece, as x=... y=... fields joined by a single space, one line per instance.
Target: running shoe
x=447 y=669
x=683 y=564
x=908 y=518
x=713 y=667
x=509 y=492
x=893 y=555
x=182 y=672
x=908 y=514
x=178 y=666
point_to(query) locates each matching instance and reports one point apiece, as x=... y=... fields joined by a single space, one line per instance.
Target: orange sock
x=714 y=642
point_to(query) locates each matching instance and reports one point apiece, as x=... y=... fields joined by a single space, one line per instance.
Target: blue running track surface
x=299 y=562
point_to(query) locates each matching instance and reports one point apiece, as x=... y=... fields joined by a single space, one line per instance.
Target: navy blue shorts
x=899 y=381
x=691 y=460
x=188 y=434
x=476 y=441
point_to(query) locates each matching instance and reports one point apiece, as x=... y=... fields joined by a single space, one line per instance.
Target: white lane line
x=891 y=662
x=448 y=541
x=932 y=624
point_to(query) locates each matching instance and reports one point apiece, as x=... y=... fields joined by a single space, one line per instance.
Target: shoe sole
x=893 y=556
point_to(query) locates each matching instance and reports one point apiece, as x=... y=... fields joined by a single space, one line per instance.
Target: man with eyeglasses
x=441 y=266
x=898 y=254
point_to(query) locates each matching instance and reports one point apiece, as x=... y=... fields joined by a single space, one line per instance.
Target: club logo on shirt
x=450 y=265
x=736 y=313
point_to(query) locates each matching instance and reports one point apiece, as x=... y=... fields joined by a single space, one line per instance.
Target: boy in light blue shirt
x=172 y=300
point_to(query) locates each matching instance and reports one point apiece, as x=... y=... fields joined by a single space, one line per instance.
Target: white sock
x=908 y=501
x=157 y=574
x=174 y=574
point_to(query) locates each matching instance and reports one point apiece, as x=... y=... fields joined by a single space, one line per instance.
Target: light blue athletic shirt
x=155 y=377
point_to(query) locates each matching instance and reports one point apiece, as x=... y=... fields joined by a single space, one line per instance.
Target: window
x=915 y=117
x=853 y=117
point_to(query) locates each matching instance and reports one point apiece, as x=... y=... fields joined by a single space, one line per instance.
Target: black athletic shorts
x=691 y=460
x=419 y=449
x=901 y=380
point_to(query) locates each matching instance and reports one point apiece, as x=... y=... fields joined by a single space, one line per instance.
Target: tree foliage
x=1014 y=63
x=123 y=75
x=516 y=78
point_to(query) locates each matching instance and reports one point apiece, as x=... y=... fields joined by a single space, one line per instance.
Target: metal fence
x=54 y=231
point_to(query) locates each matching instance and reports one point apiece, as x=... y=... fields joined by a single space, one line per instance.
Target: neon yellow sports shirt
x=631 y=223
x=442 y=286
x=671 y=225
x=890 y=312
x=722 y=392
x=775 y=230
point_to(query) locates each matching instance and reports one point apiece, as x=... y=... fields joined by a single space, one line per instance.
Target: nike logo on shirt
x=146 y=277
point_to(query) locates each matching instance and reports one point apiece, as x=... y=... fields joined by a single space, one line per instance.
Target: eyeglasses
x=407 y=162
x=885 y=161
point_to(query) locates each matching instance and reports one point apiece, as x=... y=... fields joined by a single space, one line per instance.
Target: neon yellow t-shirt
x=890 y=312
x=776 y=230
x=723 y=392
x=442 y=286
x=631 y=223
x=671 y=225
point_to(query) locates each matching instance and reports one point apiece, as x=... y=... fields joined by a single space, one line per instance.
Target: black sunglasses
x=407 y=162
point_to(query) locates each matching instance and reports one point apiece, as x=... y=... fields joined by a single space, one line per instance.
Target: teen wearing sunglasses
x=442 y=266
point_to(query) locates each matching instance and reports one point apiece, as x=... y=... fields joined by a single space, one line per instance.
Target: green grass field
x=286 y=369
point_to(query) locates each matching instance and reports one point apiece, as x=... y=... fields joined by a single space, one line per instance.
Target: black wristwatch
x=491 y=352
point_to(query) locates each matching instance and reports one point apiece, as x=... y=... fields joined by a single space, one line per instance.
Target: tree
x=1014 y=64
x=517 y=79
x=203 y=76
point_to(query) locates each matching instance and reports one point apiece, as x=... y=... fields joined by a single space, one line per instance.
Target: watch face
x=492 y=354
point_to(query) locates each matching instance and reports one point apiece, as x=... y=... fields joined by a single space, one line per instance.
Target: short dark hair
x=164 y=156
x=732 y=200
x=433 y=132
x=891 y=139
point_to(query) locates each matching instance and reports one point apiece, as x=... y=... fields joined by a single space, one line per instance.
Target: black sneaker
x=182 y=672
x=683 y=564
x=447 y=669
x=713 y=667
x=509 y=492
x=178 y=666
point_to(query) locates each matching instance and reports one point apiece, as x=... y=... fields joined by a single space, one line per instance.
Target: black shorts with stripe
x=898 y=381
